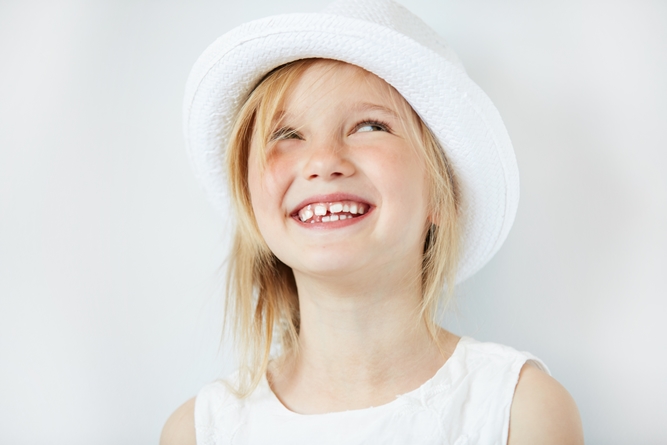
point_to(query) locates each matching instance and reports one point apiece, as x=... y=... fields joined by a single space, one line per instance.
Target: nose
x=327 y=161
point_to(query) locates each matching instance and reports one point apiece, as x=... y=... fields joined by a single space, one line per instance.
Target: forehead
x=327 y=83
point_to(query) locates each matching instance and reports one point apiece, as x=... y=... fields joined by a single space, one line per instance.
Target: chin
x=329 y=264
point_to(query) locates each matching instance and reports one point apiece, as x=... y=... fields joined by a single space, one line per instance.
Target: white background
x=110 y=256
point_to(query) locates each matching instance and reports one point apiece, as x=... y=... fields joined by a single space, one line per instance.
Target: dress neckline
x=280 y=408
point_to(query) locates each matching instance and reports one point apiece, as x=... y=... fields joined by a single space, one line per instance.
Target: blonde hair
x=262 y=304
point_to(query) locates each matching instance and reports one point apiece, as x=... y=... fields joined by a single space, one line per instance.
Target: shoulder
x=543 y=412
x=180 y=427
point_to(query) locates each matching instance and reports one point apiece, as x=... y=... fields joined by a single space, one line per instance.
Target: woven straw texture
x=386 y=39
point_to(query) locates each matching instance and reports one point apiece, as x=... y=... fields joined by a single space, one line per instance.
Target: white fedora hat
x=386 y=39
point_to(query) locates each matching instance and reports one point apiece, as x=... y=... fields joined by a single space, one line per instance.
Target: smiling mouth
x=324 y=212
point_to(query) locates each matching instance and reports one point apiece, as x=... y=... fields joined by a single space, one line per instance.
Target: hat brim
x=457 y=111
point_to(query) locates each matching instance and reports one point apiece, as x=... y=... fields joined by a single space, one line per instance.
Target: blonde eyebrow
x=368 y=106
x=361 y=106
x=278 y=116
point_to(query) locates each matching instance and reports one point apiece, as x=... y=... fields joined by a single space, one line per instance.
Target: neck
x=361 y=343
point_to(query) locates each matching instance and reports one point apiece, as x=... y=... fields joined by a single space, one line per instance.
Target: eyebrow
x=368 y=106
x=358 y=107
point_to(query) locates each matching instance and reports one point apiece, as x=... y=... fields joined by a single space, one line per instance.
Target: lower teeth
x=328 y=218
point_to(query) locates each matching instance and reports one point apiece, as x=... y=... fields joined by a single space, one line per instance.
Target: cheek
x=404 y=190
x=402 y=175
x=267 y=189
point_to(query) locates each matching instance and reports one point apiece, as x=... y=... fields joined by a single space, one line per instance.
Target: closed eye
x=284 y=133
x=372 y=125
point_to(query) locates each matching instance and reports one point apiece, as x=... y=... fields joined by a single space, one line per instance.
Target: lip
x=333 y=197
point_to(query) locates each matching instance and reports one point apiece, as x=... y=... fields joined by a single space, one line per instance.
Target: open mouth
x=324 y=212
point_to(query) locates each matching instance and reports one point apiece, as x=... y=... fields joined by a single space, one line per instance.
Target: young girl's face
x=341 y=190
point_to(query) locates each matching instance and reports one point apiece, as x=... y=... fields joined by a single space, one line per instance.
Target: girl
x=367 y=175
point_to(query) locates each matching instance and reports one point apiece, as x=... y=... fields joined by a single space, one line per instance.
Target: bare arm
x=180 y=426
x=543 y=412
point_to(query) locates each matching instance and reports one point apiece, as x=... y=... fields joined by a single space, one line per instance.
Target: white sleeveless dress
x=466 y=402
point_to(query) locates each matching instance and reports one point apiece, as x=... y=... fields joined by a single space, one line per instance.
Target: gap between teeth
x=332 y=211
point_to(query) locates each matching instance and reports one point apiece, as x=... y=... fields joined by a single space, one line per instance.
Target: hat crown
x=394 y=16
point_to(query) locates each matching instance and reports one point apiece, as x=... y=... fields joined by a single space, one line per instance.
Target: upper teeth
x=331 y=211
x=320 y=209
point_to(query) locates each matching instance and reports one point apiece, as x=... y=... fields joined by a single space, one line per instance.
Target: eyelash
x=289 y=133
x=375 y=123
x=284 y=133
